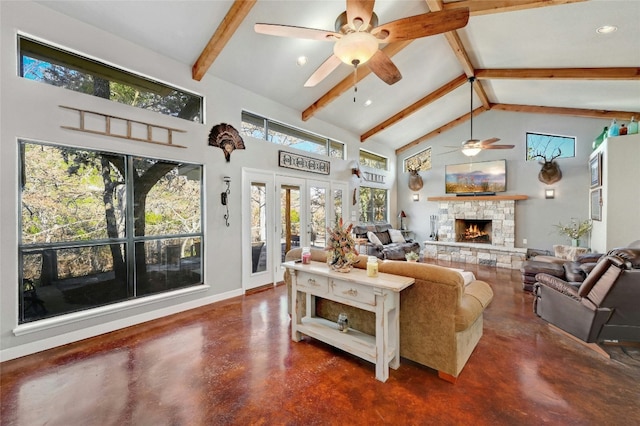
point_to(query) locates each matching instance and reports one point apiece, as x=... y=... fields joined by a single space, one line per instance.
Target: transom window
x=98 y=228
x=550 y=146
x=51 y=65
x=372 y=160
x=373 y=205
x=282 y=134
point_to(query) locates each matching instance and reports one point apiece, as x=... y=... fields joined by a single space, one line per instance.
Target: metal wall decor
x=301 y=162
x=373 y=177
x=226 y=137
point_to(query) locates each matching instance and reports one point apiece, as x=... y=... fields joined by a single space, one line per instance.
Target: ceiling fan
x=472 y=147
x=357 y=37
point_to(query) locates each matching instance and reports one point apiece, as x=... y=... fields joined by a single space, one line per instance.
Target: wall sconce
x=224 y=198
x=549 y=193
x=416 y=197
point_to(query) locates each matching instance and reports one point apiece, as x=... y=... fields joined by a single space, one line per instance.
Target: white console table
x=380 y=295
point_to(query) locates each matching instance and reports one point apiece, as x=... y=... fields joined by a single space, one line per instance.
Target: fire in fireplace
x=473 y=231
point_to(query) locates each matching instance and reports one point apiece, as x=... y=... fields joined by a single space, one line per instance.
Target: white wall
x=535 y=216
x=30 y=110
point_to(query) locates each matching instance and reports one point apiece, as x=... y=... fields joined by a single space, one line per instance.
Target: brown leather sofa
x=440 y=318
x=602 y=307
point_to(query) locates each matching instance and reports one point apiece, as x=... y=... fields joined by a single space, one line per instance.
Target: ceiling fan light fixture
x=358 y=46
x=471 y=152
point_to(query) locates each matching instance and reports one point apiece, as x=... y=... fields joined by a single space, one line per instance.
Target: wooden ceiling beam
x=347 y=82
x=529 y=109
x=238 y=11
x=486 y=7
x=450 y=125
x=629 y=73
x=431 y=97
x=574 y=112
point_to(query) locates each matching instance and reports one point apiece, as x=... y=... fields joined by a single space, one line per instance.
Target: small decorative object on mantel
x=226 y=137
x=575 y=229
x=301 y=162
x=341 y=248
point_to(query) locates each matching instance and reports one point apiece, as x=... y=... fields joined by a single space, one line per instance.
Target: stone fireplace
x=473 y=231
x=477 y=229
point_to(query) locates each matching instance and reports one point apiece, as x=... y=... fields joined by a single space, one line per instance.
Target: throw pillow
x=383 y=237
x=568 y=252
x=373 y=238
x=396 y=236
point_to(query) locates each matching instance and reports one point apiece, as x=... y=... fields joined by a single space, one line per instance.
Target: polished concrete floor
x=233 y=363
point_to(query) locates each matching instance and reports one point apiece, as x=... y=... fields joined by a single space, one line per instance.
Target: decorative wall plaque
x=373 y=177
x=301 y=162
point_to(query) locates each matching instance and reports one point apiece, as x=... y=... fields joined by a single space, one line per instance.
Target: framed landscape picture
x=596 y=204
x=595 y=167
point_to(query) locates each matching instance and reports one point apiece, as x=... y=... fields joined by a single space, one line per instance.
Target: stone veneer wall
x=502 y=251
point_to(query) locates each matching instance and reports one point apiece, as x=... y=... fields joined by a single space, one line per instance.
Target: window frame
x=371 y=209
x=548 y=151
x=373 y=160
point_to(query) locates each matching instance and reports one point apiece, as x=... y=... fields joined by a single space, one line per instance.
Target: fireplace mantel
x=480 y=198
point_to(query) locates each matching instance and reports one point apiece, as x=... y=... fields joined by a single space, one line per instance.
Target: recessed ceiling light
x=301 y=61
x=368 y=102
x=607 y=29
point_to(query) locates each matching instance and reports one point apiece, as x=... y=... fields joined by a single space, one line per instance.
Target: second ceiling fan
x=357 y=37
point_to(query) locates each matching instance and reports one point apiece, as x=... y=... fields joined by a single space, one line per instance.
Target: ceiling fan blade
x=499 y=147
x=423 y=25
x=489 y=141
x=297 y=32
x=323 y=71
x=360 y=10
x=382 y=66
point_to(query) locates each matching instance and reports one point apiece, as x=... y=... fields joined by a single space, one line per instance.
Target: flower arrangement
x=575 y=229
x=342 y=253
x=412 y=256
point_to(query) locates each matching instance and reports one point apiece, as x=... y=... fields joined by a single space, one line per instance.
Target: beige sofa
x=440 y=317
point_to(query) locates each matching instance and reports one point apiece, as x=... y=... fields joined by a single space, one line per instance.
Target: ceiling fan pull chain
x=355 y=79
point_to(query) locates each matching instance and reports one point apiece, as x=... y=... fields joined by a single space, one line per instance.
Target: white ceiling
x=561 y=36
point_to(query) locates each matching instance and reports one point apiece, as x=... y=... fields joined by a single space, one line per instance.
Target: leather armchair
x=602 y=307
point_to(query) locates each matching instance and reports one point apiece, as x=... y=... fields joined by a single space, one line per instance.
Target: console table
x=380 y=295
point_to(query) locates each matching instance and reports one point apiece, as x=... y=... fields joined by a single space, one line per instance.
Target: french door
x=282 y=212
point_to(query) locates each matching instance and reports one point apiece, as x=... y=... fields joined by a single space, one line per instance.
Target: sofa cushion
x=374 y=238
x=396 y=236
x=383 y=237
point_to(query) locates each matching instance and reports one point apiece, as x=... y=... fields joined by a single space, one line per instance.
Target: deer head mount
x=415 y=180
x=550 y=172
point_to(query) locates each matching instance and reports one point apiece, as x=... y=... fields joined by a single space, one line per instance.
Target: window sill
x=62 y=320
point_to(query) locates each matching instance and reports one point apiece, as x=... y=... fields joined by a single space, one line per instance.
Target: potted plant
x=575 y=229
x=412 y=256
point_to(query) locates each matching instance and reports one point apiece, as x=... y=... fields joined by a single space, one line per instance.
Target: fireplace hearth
x=473 y=231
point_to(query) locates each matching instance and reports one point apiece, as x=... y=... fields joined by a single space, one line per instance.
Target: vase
x=575 y=242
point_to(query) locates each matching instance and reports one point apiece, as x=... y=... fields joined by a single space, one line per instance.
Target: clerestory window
x=98 y=228
x=282 y=134
x=51 y=65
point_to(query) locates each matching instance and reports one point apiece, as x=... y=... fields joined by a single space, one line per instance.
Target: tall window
x=98 y=228
x=373 y=205
x=57 y=67
x=281 y=134
x=375 y=161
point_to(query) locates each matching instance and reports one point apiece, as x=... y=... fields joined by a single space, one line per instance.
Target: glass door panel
x=259 y=238
x=290 y=224
x=317 y=225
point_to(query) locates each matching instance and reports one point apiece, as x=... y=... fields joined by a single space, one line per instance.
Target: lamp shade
x=358 y=46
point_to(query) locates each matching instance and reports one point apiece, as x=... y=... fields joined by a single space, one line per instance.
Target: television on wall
x=486 y=177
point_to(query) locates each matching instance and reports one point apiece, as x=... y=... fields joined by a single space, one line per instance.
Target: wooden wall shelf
x=504 y=197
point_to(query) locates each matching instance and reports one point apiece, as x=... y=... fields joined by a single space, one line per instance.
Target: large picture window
x=373 y=205
x=98 y=228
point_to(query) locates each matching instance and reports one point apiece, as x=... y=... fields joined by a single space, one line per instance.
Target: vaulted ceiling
x=541 y=56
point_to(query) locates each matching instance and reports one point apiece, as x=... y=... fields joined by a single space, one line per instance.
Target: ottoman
x=530 y=268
